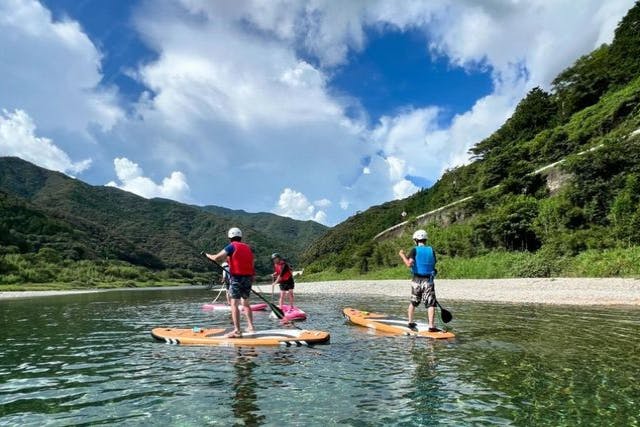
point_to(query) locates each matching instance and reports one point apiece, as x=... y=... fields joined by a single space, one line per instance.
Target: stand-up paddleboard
x=226 y=307
x=291 y=313
x=391 y=324
x=197 y=336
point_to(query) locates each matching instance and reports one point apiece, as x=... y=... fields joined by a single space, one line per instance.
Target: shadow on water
x=245 y=402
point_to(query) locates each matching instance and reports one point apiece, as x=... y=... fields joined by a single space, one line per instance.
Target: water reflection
x=245 y=402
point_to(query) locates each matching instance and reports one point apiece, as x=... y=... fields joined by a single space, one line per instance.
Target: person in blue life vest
x=283 y=276
x=239 y=255
x=422 y=262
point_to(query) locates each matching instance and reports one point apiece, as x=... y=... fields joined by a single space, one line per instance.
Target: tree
x=533 y=114
x=582 y=84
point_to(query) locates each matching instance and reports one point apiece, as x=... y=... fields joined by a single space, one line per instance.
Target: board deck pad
x=392 y=324
x=215 y=336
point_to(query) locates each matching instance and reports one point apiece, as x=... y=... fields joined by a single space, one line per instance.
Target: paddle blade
x=445 y=315
x=276 y=310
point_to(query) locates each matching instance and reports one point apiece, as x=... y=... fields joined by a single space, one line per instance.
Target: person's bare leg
x=235 y=316
x=249 y=314
x=291 y=297
x=281 y=301
x=410 y=312
x=431 y=312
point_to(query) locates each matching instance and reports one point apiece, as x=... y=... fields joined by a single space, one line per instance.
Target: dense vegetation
x=57 y=229
x=513 y=219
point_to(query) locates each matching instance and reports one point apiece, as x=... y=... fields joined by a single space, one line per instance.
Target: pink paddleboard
x=292 y=313
x=226 y=307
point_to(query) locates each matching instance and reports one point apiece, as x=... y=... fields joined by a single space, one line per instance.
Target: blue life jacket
x=425 y=262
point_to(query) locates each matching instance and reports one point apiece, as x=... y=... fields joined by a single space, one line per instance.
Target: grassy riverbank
x=45 y=270
x=591 y=263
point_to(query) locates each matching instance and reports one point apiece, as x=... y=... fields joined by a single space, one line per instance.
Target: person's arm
x=222 y=255
x=408 y=261
x=277 y=275
x=217 y=257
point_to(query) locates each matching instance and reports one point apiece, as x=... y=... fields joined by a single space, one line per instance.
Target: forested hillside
x=594 y=106
x=49 y=221
x=297 y=234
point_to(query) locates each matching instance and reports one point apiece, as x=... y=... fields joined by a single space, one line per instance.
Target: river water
x=89 y=359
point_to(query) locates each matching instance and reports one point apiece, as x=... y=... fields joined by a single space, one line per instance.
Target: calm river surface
x=90 y=359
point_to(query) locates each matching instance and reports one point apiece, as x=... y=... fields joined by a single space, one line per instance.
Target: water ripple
x=92 y=361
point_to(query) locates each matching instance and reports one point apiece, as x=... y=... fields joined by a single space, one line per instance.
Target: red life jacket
x=241 y=260
x=278 y=269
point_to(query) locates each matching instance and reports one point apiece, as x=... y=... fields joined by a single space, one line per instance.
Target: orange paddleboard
x=197 y=336
x=390 y=324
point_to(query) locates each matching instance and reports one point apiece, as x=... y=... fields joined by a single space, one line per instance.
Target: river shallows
x=89 y=359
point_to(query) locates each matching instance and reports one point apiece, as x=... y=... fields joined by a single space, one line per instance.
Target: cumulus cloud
x=296 y=205
x=132 y=179
x=232 y=101
x=51 y=70
x=403 y=188
x=227 y=93
x=323 y=203
x=18 y=138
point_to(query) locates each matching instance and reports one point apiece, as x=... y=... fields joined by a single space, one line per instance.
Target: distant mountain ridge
x=42 y=208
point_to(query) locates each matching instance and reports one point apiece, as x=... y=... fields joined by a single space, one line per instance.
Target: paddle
x=276 y=310
x=445 y=314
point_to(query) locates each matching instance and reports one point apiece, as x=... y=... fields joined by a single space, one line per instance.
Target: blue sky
x=312 y=110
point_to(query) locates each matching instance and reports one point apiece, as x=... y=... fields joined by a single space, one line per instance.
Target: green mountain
x=298 y=234
x=41 y=209
x=503 y=204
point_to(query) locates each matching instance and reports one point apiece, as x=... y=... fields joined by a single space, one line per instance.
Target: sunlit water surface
x=89 y=359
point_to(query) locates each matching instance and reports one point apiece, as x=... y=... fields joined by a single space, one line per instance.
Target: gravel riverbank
x=572 y=291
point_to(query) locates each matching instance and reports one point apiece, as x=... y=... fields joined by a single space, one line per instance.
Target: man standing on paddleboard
x=241 y=266
x=422 y=262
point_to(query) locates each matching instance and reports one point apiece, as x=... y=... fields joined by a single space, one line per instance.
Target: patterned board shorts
x=423 y=290
x=240 y=287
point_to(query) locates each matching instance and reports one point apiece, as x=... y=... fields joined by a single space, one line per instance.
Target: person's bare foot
x=233 y=334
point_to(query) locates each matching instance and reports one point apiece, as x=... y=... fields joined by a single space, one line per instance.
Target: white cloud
x=131 y=179
x=322 y=203
x=404 y=188
x=52 y=71
x=227 y=99
x=232 y=102
x=18 y=138
x=296 y=205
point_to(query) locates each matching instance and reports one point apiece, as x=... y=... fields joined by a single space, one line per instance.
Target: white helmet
x=234 y=232
x=420 y=235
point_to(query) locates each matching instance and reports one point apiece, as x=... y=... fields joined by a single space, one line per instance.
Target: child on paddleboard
x=283 y=276
x=422 y=262
x=242 y=273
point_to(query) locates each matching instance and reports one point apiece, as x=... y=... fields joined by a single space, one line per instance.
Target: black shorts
x=287 y=286
x=423 y=290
